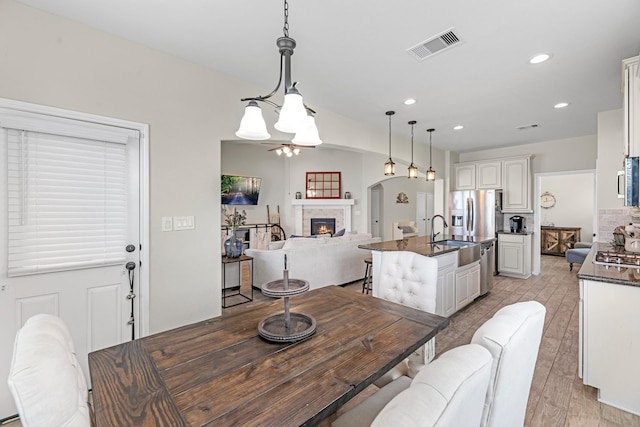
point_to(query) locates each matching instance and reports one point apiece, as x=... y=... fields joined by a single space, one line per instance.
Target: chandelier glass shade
x=431 y=174
x=390 y=166
x=293 y=116
x=412 y=171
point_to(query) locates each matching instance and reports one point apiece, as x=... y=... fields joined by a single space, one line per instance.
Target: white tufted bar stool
x=410 y=279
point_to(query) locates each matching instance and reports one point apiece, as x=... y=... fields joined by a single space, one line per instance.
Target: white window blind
x=67 y=202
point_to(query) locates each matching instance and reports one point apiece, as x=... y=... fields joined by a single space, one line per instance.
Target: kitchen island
x=458 y=266
x=609 y=334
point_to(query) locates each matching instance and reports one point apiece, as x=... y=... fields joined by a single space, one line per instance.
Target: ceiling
x=351 y=57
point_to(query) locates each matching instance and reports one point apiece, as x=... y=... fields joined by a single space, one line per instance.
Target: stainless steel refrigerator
x=478 y=215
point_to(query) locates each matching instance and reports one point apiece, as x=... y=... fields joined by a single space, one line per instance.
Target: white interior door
x=375 y=213
x=421 y=213
x=92 y=300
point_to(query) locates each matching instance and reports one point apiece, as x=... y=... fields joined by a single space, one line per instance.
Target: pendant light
x=389 y=166
x=293 y=116
x=431 y=174
x=413 y=170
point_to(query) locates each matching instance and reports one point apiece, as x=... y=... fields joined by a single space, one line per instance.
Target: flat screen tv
x=239 y=190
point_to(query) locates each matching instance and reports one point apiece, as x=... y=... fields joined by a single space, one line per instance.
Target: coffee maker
x=517 y=224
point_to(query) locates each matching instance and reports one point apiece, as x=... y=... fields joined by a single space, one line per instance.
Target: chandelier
x=293 y=116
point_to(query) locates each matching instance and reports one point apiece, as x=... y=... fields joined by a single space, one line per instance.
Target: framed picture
x=323 y=185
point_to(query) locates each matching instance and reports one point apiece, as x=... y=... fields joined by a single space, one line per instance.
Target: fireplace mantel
x=330 y=204
x=323 y=202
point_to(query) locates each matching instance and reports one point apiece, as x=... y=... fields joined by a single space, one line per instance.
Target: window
x=67 y=195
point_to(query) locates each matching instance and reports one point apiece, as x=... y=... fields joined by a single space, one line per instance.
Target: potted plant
x=234 y=220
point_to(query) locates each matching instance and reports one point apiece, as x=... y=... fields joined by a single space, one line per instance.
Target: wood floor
x=558 y=397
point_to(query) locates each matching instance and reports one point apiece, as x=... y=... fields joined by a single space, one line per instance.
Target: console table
x=232 y=292
x=557 y=240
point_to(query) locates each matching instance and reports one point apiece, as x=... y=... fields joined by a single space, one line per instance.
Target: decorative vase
x=232 y=247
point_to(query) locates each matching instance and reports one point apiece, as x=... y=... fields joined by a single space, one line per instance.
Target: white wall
x=549 y=156
x=52 y=61
x=574 y=202
x=394 y=211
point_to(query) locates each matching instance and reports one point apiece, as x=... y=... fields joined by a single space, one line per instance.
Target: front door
x=95 y=301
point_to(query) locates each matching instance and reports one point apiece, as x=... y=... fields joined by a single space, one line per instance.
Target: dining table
x=221 y=372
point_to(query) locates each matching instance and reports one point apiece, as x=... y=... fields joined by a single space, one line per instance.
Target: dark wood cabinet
x=557 y=240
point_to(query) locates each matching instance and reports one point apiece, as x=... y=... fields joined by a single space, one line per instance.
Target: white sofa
x=321 y=261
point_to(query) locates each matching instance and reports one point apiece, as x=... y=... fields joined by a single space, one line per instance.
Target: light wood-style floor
x=558 y=397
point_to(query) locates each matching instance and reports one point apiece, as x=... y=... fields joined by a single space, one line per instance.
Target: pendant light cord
x=285 y=28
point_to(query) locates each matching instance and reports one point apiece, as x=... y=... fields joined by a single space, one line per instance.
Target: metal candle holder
x=287 y=326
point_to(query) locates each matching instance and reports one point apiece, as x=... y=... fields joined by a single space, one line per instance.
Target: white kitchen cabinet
x=514 y=255
x=489 y=175
x=465 y=176
x=610 y=342
x=467 y=284
x=516 y=180
x=631 y=95
x=446 y=284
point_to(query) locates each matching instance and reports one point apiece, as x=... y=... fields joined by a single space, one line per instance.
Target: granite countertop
x=423 y=246
x=602 y=273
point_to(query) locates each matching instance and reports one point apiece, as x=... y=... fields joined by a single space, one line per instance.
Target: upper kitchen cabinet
x=465 y=176
x=516 y=180
x=489 y=175
x=631 y=91
x=511 y=174
x=478 y=175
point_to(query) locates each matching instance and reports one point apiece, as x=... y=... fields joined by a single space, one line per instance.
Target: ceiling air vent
x=531 y=126
x=429 y=47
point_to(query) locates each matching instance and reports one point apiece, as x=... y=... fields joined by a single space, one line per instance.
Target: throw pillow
x=339 y=233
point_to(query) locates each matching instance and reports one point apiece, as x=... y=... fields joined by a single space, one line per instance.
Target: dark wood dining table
x=221 y=372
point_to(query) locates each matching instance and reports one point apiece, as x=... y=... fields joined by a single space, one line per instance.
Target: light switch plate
x=184 y=223
x=167 y=223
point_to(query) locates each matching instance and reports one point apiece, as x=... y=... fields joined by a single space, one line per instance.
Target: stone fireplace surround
x=305 y=209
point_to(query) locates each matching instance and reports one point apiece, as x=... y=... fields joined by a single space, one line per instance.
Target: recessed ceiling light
x=458 y=127
x=561 y=105
x=539 y=58
x=409 y=101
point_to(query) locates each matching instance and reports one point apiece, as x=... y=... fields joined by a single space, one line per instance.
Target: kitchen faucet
x=433 y=235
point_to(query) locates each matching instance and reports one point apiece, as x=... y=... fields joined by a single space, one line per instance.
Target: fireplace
x=323 y=226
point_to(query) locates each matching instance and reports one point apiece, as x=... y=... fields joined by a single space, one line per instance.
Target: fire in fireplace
x=323 y=226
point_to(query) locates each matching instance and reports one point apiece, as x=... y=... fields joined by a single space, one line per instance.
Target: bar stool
x=367 y=282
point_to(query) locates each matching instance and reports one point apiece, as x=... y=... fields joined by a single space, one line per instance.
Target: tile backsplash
x=609 y=219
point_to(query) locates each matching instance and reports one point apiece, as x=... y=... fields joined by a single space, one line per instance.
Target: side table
x=236 y=294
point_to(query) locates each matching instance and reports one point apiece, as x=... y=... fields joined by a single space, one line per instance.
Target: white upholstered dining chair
x=450 y=391
x=45 y=378
x=513 y=337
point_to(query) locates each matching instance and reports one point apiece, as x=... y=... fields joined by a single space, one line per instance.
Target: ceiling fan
x=287 y=149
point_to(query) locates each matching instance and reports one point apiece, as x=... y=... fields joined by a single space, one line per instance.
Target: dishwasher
x=487 y=264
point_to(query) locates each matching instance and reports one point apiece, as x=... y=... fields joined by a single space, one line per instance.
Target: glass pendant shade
x=293 y=114
x=413 y=171
x=389 y=167
x=309 y=136
x=431 y=175
x=252 y=125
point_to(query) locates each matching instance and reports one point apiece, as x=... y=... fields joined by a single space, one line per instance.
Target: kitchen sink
x=468 y=252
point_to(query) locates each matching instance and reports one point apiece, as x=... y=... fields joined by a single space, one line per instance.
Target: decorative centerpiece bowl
x=287 y=326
